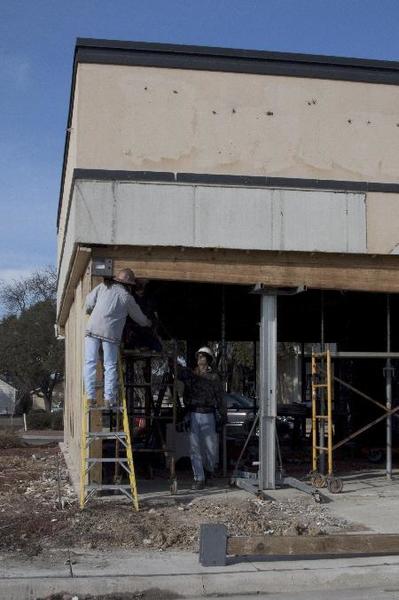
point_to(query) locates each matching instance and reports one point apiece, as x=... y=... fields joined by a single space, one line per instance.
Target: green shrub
x=57 y=420
x=38 y=419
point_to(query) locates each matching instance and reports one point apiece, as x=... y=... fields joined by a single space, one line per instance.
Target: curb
x=274 y=578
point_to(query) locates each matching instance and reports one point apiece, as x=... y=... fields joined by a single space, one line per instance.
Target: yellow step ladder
x=322 y=421
x=122 y=439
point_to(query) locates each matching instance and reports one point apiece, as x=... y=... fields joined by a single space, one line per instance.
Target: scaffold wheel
x=335 y=485
x=318 y=480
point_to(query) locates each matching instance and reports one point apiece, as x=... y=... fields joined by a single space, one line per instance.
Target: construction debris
x=39 y=510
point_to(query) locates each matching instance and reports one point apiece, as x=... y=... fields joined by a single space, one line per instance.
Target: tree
x=31 y=358
x=20 y=294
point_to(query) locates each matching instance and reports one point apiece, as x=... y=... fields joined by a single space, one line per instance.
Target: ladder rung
x=105 y=408
x=321 y=417
x=149 y=417
x=321 y=448
x=106 y=460
x=105 y=486
x=106 y=434
x=319 y=385
x=150 y=450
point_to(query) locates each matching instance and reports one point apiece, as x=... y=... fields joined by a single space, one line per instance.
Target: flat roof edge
x=218 y=52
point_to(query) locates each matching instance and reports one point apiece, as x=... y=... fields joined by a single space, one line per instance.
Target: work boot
x=209 y=478
x=198 y=485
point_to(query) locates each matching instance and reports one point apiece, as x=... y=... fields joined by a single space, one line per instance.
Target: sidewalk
x=368 y=500
x=179 y=573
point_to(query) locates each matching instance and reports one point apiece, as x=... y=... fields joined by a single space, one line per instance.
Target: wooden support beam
x=277 y=269
x=77 y=270
x=96 y=448
x=333 y=545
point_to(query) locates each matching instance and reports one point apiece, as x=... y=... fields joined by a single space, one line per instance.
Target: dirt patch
x=39 y=510
x=10 y=438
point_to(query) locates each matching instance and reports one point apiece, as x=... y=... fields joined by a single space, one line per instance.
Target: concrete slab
x=141 y=563
x=46 y=564
x=368 y=499
x=180 y=572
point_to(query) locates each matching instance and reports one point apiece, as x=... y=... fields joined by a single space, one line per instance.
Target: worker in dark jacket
x=108 y=304
x=203 y=399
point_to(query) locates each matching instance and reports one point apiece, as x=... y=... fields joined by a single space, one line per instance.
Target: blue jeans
x=203 y=444
x=110 y=350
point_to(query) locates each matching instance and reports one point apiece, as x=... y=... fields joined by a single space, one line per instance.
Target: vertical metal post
x=267 y=393
x=314 y=413
x=388 y=394
x=329 y=415
x=223 y=340
x=322 y=433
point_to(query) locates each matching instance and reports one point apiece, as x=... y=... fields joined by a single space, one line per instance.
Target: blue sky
x=37 y=39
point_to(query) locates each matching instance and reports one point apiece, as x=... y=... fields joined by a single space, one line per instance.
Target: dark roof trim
x=238 y=61
x=236 y=180
x=205 y=58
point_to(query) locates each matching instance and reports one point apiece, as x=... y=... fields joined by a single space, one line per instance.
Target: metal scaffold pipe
x=388 y=394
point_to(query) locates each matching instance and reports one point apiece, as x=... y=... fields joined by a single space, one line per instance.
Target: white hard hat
x=205 y=350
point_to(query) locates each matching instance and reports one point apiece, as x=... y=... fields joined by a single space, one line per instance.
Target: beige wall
x=71 y=165
x=382 y=223
x=139 y=118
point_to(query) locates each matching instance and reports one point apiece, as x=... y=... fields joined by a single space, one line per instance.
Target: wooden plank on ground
x=340 y=544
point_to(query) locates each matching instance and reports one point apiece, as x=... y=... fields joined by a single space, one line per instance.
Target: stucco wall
x=383 y=223
x=71 y=164
x=139 y=118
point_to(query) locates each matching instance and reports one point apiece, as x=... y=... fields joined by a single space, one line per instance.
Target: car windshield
x=237 y=401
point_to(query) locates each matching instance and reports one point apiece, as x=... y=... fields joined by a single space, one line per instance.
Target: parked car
x=241 y=411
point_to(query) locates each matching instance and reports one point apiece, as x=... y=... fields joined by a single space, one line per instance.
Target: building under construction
x=258 y=192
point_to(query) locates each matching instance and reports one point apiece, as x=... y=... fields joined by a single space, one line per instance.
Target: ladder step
x=105 y=408
x=105 y=486
x=111 y=435
x=106 y=460
x=321 y=417
x=319 y=385
x=321 y=448
x=164 y=450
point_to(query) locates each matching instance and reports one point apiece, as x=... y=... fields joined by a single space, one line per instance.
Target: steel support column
x=388 y=395
x=268 y=393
